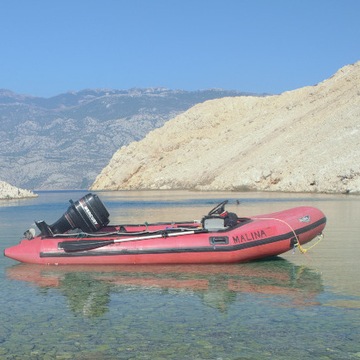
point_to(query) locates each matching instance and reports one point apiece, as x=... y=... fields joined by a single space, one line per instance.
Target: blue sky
x=263 y=46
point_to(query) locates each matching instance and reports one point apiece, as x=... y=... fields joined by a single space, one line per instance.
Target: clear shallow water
x=297 y=306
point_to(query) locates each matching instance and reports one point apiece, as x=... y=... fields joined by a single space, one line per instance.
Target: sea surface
x=296 y=306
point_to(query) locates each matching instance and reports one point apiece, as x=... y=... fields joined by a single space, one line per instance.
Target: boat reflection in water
x=88 y=289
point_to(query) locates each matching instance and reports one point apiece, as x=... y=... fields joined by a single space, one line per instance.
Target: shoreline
x=9 y=192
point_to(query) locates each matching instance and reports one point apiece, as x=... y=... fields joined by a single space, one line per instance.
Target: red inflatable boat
x=83 y=236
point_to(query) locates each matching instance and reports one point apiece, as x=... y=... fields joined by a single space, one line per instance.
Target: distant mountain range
x=63 y=142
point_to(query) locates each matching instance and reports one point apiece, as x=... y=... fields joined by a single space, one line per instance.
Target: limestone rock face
x=64 y=141
x=8 y=191
x=306 y=140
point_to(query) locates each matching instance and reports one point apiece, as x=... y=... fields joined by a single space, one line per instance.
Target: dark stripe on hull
x=214 y=248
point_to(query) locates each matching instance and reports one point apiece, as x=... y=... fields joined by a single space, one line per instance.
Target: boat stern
x=26 y=251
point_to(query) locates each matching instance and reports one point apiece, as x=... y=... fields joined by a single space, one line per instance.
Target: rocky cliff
x=64 y=141
x=306 y=140
x=8 y=192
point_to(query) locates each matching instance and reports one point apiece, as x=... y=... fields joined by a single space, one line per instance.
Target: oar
x=84 y=245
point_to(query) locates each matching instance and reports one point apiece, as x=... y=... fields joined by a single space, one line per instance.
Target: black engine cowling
x=88 y=214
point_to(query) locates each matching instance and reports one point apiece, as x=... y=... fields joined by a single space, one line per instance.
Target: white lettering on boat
x=251 y=236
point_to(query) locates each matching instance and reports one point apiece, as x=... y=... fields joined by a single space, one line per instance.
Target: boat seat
x=213 y=223
x=216 y=222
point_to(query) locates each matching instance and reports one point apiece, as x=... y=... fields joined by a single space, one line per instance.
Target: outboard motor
x=88 y=214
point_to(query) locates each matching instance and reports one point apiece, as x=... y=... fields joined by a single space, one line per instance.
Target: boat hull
x=257 y=237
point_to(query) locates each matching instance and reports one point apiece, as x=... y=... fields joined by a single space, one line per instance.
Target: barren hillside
x=64 y=141
x=8 y=191
x=306 y=140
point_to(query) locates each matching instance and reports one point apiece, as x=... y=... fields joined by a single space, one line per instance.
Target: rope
x=301 y=248
x=320 y=237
